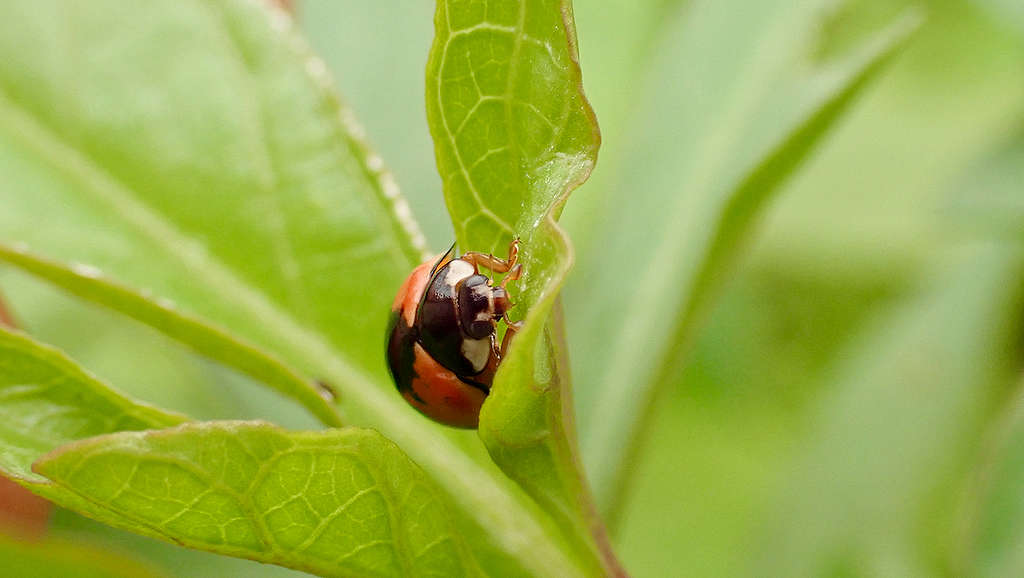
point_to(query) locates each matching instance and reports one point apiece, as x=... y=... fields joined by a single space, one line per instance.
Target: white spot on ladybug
x=477 y=352
x=457 y=271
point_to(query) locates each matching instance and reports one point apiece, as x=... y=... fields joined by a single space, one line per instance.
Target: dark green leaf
x=880 y=477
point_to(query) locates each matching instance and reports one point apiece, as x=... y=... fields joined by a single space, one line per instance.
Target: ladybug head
x=480 y=305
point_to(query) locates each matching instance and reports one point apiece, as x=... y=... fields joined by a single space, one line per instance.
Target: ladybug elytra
x=442 y=346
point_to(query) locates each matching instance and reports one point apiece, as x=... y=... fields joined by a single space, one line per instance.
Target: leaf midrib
x=489 y=503
x=269 y=177
x=410 y=244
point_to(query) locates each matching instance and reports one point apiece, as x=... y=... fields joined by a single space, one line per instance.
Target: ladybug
x=442 y=347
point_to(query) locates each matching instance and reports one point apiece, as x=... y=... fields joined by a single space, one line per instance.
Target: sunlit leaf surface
x=338 y=503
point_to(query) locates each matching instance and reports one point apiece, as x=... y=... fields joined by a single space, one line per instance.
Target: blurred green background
x=862 y=227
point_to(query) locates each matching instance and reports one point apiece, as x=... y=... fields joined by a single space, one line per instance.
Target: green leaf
x=617 y=47
x=196 y=150
x=897 y=433
x=514 y=135
x=734 y=116
x=46 y=401
x=356 y=485
x=56 y=557
x=337 y=503
x=204 y=338
x=262 y=142
x=528 y=427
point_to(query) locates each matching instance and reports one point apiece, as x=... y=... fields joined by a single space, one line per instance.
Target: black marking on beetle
x=473 y=299
x=402 y=354
x=475 y=384
x=437 y=322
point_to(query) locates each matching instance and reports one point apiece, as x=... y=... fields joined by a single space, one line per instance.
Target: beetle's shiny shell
x=449 y=382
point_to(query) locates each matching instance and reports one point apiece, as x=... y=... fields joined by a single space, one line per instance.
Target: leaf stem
x=193 y=332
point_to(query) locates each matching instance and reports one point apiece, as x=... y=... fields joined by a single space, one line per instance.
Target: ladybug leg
x=514 y=274
x=493 y=263
x=512 y=329
x=490 y=262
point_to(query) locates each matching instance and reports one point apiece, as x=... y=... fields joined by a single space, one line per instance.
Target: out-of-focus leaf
x=747 y=108
x=617 y=40
x=49 y=558
x=195 y=333
x=514 y=135
x=995 y=517
x=872 y=493
x=195 y=149
x=1007 y=11
x=991 y=195
x=338 y=503
x=724 y=432
x=389 y=101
